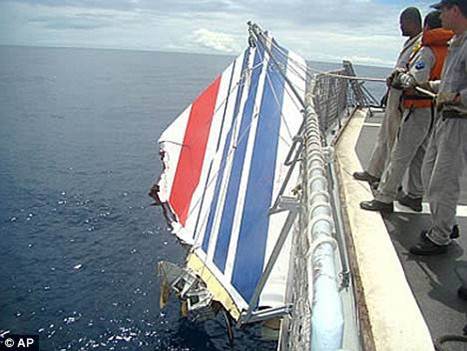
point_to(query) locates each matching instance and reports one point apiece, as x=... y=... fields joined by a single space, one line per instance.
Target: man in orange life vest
x=411 y=26
x=425 y=65
x=446 y=154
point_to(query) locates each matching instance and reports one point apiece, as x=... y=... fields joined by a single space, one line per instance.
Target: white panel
x=273 y=294
x=171 y=142
x=216 y=157
x=213 y=138
x=228 y=164
x=250 y=137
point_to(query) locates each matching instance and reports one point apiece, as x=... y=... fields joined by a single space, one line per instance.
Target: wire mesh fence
x=331 y=97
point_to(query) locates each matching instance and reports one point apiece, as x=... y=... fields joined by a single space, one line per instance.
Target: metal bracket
x=186 y=284
x=285 y=203
x=199 y=298
x=297 y=145
x=268 y=313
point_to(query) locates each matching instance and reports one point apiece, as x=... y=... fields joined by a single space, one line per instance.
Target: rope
x=329 y=74
x=341 y=76
x=426 y=92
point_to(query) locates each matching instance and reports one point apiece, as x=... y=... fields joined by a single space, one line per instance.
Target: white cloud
x=326 y=30
x=217 y=41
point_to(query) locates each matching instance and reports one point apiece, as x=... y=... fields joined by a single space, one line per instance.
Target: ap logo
x=16 y=342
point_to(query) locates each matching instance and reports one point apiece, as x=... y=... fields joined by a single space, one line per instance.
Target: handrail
x=327 y=317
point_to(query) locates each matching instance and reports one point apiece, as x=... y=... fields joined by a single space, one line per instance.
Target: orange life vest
x=437 y=40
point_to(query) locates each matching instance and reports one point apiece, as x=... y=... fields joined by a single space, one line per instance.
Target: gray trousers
x=414 y=185
x=442 y=169
x=386 y=134
x=408 y=150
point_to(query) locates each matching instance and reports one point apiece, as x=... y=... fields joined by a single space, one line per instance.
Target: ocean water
x=79 y=239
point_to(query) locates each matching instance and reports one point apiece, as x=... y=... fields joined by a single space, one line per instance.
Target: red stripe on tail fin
x=191 y=158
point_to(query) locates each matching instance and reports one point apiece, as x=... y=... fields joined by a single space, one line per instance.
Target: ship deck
x=432 y=280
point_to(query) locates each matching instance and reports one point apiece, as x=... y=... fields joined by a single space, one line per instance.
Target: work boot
x=428 y=248
x=365 y=176
x=454 y=233
x=413 y=203
x=375 y=205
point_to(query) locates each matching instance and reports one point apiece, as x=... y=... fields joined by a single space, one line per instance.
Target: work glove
x=394 y=74
x=396 y=80
x=407 y=80
x=447 y=98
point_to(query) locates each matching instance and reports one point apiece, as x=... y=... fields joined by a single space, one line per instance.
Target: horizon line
x=168 y=51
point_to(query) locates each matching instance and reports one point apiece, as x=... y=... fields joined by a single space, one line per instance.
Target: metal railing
x=331 y=97
x=320 y=264
x=334 y=97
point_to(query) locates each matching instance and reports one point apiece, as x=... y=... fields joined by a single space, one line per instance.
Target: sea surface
x=79 y=239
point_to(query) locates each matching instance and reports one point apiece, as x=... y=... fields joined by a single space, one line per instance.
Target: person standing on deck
x=411 y=26
x=417 y=119
x=446 y=154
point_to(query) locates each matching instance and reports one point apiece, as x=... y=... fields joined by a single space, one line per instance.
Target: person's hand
x=394 y=74
x=407 y=81
x=447 y=98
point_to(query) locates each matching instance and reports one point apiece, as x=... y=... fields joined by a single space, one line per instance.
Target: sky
x=363 y=31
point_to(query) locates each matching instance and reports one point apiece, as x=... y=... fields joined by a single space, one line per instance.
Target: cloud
x=166 y=6
x=76 y=21
x=318 y=29
x=217 y=41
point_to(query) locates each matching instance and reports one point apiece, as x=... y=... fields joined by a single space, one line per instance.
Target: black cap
x=461 y=3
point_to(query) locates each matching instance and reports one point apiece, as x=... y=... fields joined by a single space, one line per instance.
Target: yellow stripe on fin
x=213 y=285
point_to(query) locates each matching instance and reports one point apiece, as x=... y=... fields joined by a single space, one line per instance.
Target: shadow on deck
x=432 y=280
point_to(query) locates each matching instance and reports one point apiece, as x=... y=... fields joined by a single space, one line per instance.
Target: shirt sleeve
x=463 y=96
x=463 y=92
x=421 y=67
